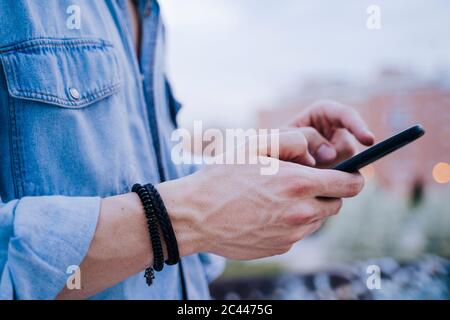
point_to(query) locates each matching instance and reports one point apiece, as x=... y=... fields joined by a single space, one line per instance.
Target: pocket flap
x=68 y=73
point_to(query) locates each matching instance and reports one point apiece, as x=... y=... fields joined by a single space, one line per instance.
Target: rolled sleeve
x=42 y=237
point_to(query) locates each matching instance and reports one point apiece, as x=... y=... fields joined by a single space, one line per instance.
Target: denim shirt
x=81 y=117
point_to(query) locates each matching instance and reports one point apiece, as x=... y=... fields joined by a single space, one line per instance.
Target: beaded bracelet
x=165 y=225
x=152 y=225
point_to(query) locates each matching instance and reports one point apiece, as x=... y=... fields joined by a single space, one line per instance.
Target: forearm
x=120 y=248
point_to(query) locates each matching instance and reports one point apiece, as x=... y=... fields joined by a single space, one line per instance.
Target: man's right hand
x=235 y=212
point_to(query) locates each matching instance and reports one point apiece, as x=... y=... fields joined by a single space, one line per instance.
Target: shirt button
x=74 y=93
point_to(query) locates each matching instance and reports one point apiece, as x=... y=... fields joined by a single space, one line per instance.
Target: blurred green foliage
x=379 y=223
x=236 y=269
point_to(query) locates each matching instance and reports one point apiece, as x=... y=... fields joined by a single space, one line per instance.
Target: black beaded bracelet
x=152 y=224
x=165 y=225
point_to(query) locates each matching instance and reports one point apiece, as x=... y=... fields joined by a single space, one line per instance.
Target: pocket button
x=74 y=93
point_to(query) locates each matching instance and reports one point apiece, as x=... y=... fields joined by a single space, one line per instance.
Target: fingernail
x=370 y=135
x=325 y=153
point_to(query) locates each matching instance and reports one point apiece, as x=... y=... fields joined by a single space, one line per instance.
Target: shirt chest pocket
x=69 y=73
x=64 y=106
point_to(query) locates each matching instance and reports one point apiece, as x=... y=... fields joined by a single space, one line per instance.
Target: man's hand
x=333 y=131
x=235 y=212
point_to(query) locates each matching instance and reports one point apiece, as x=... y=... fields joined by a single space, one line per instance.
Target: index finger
x=346 y=117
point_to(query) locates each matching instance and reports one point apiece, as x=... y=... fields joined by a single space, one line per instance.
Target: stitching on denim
x=13 y=141
x=56 y=43
x=49 y=95
x=16 y=162
x=61 y=47
x=94 y=96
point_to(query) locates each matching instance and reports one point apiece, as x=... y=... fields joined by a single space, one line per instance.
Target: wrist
x=184 y=217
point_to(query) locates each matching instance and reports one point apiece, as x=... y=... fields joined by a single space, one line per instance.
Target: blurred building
x=394 y=101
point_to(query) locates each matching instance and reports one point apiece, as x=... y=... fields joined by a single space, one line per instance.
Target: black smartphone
x=381 y=149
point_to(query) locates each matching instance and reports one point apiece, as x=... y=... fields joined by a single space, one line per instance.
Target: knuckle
x=308 y=213
x=302 y=214
x=300 y=185
x=299 y=218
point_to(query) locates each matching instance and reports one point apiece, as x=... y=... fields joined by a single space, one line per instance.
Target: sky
x=229 y=58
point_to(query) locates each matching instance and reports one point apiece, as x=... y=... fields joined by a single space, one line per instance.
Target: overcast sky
x=227 y=58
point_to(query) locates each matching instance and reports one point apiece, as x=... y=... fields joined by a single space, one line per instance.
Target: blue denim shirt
x=81 y=117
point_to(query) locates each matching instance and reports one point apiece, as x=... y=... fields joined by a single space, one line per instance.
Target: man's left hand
x=333 y=131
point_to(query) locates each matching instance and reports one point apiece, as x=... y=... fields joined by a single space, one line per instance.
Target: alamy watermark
x=374 y=279
x=74 y=280
x=231 y=146
x=73 y=21
x=373 y=21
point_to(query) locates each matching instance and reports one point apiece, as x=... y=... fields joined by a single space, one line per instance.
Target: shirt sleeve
x=214 y=265
x=191 y=168
x=40 y=237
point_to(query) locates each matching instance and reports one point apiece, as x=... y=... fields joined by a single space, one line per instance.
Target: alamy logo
x=374 y=19
x=74 y=19
x=374 y=278
x=74 y=280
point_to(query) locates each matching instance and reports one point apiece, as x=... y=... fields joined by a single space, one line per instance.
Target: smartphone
x=381 y=149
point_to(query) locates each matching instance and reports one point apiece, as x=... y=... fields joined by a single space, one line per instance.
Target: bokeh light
x=368 y=172
x=441 y=172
